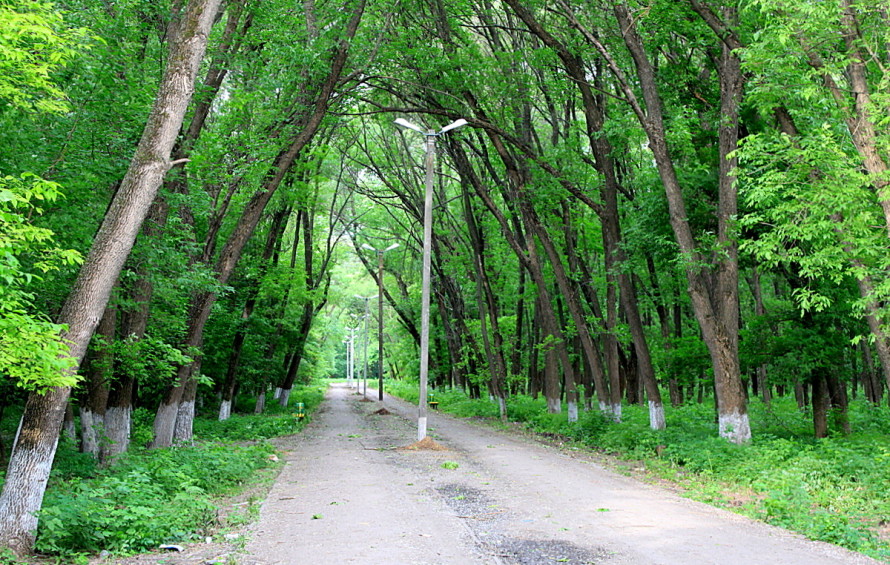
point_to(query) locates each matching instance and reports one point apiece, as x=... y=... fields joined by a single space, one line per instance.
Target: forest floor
x=353 y=490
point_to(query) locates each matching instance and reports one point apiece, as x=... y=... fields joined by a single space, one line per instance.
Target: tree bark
x=488 y=311
x=276 y=230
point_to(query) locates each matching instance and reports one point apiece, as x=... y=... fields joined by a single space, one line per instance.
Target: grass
x=162 y=496
x=833 y=489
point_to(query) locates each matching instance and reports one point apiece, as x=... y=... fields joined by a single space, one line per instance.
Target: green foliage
x=31 y=350
x=149 y=498
x=34 y=44
x=148 y=359
x=276 y=422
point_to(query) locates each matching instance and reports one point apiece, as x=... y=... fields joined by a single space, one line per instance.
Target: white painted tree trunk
x=735 y=427
x=656 y=416
x=117 y=432
x=277 y=394
x=260 y=406
x=616 y=412
x=92 y=430
x=284 y=397
x=225 y=410
x=185 y=418
x=573 y=411
x=554 y=405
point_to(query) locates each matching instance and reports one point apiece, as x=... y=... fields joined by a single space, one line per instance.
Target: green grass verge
x=834 y=489
x=161 y=496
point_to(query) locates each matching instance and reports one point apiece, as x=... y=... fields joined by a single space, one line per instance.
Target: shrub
x=149 y=498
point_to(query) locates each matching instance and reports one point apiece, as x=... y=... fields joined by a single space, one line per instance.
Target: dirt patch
x=426 y=444
x=469 y=502
x=382 y=412
x=535 y=552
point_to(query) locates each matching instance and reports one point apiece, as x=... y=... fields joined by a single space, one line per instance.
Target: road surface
x=351 y=493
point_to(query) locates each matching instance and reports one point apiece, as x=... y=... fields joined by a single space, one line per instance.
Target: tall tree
x=36 y=441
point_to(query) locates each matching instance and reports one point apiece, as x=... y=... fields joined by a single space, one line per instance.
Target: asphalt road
x=351 y=493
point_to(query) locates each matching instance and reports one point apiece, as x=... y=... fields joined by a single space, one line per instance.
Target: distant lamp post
x=350 y=357
x=427 y=253
x=365 y=346
x=380 y=253
x=356 y=332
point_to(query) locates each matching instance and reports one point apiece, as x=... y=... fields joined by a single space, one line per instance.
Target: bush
x=149 y=498
x=277 y=421
x=159 y=496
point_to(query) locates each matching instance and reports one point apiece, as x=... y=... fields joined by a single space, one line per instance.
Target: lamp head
x=454 y=125
x=406 y=124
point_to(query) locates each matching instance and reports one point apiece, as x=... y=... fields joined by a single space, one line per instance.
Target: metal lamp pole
x=380 y=253
x=352 y=356
x=427 y=254
x=367 y=316
x=365 y=346
x=357 y=329
x=349 y=355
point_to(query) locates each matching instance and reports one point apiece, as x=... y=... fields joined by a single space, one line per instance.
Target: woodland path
x=348 y=495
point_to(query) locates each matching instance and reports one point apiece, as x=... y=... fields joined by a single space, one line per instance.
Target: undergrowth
x=833 y=489
x=160 y=496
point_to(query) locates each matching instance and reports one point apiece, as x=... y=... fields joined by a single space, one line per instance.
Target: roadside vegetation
x=149 y=498
x=832 y=489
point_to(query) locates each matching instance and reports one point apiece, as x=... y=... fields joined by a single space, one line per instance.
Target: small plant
x=449 y=465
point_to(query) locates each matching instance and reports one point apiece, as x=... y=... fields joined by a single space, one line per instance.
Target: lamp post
x=380 y=253
x=365 y=346
x=356 y=329
x=351 y=356
x=346 y=361
x=427 y=253
x=350 y=353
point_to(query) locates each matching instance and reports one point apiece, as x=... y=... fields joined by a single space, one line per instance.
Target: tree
x=35 y=444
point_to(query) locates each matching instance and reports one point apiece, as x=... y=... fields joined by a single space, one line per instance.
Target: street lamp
x=365 y=353
x=380 y=253
x=350 y=357
x=356 y=329
x=427 y=253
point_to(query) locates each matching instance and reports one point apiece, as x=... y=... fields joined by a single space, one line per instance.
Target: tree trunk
x=296 y=355
x=837 y=397
x=92 y=411
x=276 y=230
x=820 y=404
x=185 y=412
x=715 y=305
x=488 y=311
x=133 y=324
x=870 y=381
x=760 y=310
x=32 y=454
